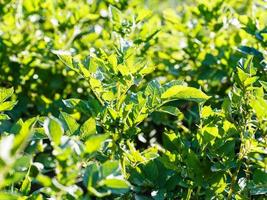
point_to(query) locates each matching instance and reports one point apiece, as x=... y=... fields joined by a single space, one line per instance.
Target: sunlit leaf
x=53 y=128
x=184 y=92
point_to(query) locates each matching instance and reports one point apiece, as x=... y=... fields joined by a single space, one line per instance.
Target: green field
x=133 y=99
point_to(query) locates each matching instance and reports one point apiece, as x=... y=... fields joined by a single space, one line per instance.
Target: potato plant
x=131 y=99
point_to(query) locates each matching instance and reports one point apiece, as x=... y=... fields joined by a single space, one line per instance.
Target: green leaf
x=69 y=123
x=184 y=92
x=152 y=93
x=4 y=117
x=95 y=142
x=22 y=163
x=218 y=183
x=24 y=133
x=259 y=105
x=258 y=190
x=113 y=113
x=206 y=112
x=5 y=94
x=73 y=103
x=91 y=175
x=66 y=58
x=88 y=128
x=260 y=177
x=211 y=130
x=251 y=51
x=53 y=129
x=264 y=85
x=9 y=196
x=110 y=168
x=124 y=70
x=87 y=107
x=113 y=61
x=142 y=14
x=242 y=75
x=170 y=110
x=116 y=185
x=108 y=96
x=8 y=105
x=249 y=81
x=115 y=14
x=44 y=180
x=26 y=185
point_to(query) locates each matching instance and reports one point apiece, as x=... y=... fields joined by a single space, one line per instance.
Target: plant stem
x=189 y=192
x=233 y=180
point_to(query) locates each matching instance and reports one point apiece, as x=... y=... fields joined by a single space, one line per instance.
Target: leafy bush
x=133 y=99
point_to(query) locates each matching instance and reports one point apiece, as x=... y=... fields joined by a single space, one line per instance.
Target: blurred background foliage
x=196 y=41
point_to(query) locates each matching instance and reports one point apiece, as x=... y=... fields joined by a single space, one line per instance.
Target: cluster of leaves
x=125 y=119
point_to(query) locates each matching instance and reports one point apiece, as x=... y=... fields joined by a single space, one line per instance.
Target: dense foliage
x=132 y=99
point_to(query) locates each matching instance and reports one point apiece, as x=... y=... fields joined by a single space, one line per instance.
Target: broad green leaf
x=8 y=105
x=170 y=110
x=171 y=142
x=110 y=168
x=26 y=185
x=259 y=105
x=95 y=142
x=24 y=133
x=115 y=14
x=22 y=163
x=91 y=175
x=184 y=92
x=206 y=112
x=66 y=58
x=124 y=70
x=44 y=180
x=108 y=96
x=113 y=113
x=16 y=127
x=4 y=117
x=118 y=186
x=151 y=171
x=113 y=61
x=242 y=75
x=142 y=14
x=258 y=190
x=251 y=51
x=87 y=107
x=249 y=81
x=53 y=129
x=9 y=196
x=88 y=128
x=69 y=123
x=194 y=163
x=259 y=177
x=153 y=88
x=211 y=130
x=72 y=103
x=134 y=154
x=218 y=183
x=153 y=93
x=5 y=94
x=264 y=84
